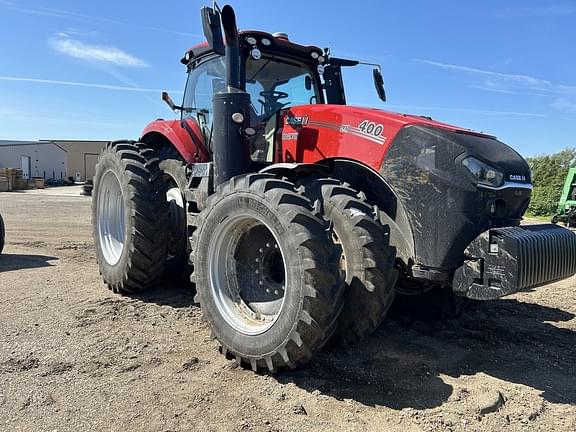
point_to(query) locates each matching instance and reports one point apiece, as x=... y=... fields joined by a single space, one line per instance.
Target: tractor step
x=505 y=260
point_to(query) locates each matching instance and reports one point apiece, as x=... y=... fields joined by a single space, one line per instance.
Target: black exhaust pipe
x=232 y=47
x=231 y=111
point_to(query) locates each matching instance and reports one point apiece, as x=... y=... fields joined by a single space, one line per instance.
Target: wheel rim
x=247 y=274
x=111 y=221
x=177 y=218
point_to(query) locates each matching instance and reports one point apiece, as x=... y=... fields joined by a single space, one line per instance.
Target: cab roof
x=279 y=44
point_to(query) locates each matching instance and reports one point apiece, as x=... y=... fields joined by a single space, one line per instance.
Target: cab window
x=274 y=85
x=204 y=80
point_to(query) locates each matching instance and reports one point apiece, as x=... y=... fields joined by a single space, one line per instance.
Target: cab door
x=204 y=80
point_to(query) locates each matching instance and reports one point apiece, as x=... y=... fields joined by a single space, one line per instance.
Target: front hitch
x=502 y=261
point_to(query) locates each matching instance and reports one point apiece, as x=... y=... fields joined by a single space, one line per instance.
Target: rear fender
x=191 y=145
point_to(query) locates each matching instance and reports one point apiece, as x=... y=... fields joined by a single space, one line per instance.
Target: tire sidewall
x=110 y=161
x=351 y=246
x=257 y=207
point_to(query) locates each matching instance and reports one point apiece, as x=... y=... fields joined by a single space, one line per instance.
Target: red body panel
x=310 y=133
x=192 y=150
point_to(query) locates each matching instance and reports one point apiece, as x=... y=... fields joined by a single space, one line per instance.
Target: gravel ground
x=74 y=356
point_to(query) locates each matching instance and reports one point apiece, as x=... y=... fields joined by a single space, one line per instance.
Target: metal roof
x=18 y=143
x=56 y=142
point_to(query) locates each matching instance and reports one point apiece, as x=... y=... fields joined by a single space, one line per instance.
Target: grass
x=540 y=218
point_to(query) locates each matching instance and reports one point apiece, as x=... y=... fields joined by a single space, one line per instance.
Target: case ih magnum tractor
x=299 y=217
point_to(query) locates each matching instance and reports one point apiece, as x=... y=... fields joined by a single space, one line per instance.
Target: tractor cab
x=276 y=73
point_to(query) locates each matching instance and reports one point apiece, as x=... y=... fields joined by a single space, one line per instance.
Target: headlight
x=482 y=172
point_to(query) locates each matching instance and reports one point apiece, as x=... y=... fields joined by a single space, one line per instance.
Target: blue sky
x=94 y=70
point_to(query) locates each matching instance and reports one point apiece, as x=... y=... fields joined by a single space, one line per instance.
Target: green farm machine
x=567 y=207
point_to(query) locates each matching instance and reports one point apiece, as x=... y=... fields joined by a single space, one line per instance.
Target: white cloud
x=520 y=84
x=505 y=81
x=106 y=54
x=82 y=18
x=495 y=88
x=521 y=79
x=83 y=84
x=564 y=105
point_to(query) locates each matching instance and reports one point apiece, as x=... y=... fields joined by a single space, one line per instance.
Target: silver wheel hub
x=247 y=274
x=110 y=218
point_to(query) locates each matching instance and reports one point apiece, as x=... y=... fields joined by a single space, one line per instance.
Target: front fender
x=191 y=145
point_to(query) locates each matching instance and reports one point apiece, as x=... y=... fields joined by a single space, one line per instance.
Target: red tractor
x=299 y=217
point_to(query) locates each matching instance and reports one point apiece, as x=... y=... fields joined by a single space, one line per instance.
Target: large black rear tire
x=367 y=257
x=266 y=273
x=130 y=217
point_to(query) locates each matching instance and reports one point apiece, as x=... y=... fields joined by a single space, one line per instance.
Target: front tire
x=266 y=273
x=367 y=258
x=129 y=217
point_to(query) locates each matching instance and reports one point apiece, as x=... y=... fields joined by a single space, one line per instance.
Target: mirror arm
x=168 y=100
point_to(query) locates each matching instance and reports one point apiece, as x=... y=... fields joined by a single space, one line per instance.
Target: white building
x=36 y=158
x=52 y=159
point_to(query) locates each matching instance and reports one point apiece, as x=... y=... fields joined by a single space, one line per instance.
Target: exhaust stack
x=231 y=111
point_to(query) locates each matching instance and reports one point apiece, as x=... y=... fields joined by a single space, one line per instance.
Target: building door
x=90 y=161
x=26 y=166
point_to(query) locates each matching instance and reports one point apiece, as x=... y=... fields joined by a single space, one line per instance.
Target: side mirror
x=379 y=84
x=166 y=98
x=213 y=29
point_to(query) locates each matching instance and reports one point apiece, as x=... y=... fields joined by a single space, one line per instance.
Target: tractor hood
x=370 y=135
x=422 y=134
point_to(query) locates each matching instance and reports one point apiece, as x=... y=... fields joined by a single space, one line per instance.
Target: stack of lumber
x=4 y=180
x=11 y=179
x=18 y=182
x=36 y=183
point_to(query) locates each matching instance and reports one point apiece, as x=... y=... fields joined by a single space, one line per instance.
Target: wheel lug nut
x=261 y=283
x=260 y=250
x=276 y=292
x=268 y=290
x=257 y=260
x=267 y=245
x=275 y=246
x=257 y=271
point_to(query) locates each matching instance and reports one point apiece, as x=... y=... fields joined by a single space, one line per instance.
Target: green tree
x=548 y=177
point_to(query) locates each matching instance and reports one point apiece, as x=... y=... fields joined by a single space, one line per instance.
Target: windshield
x=274 y=84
